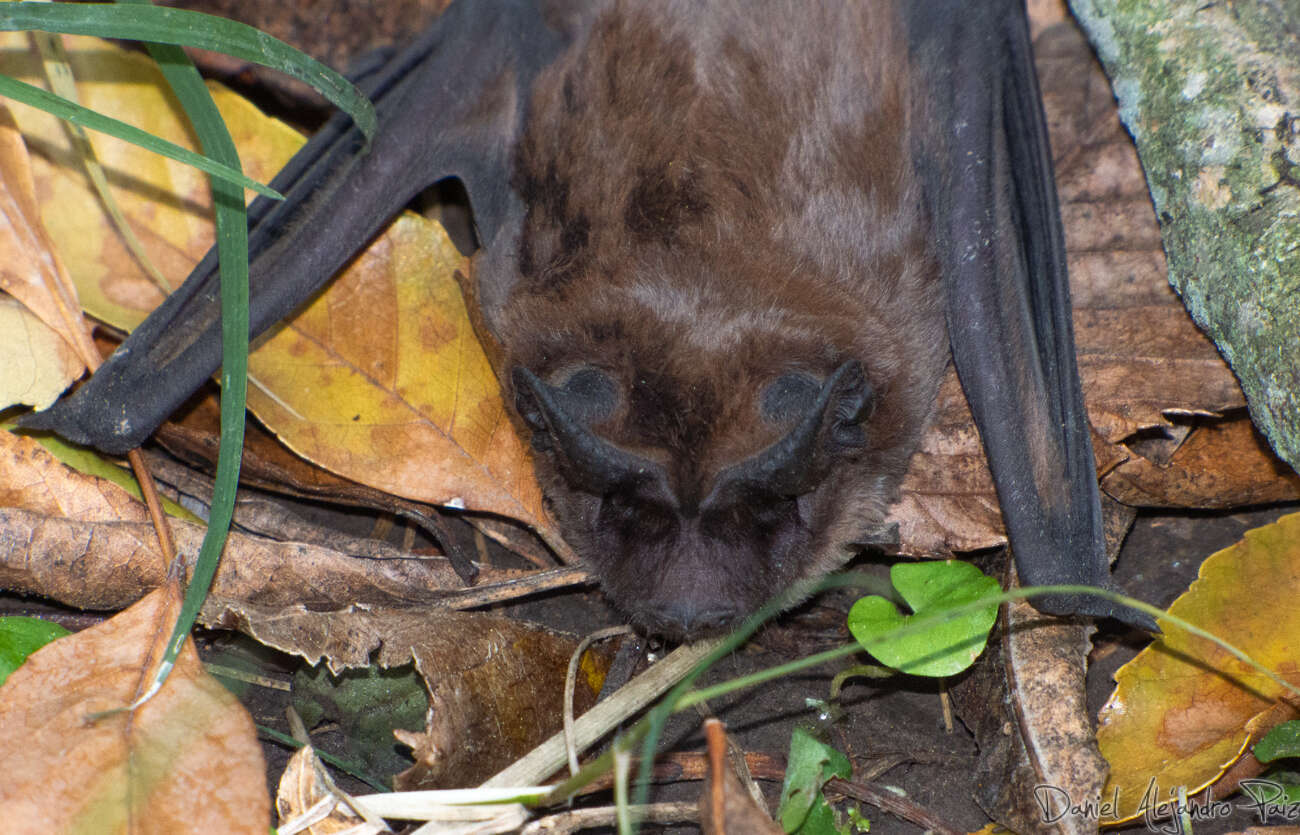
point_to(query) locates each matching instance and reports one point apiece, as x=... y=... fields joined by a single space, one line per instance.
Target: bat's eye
x=589 y=395
x=562 y=417
x=586 y=397
x=789 y=396
x=792 y=394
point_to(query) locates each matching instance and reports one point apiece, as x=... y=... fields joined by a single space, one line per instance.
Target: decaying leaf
x=186 y=761
x=495 y=684
x=1184 y=710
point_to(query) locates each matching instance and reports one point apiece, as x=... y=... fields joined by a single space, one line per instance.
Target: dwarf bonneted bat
x=725 y=249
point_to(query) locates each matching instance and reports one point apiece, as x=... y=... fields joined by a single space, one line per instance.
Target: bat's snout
x=686 y=617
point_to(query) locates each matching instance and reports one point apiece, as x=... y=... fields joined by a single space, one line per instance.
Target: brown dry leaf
x=495 y=692
x=31 y=478
x=495 y=684
x=108 y=565
x=1220 y=465
x=379 y=379
x=1140 y=355
x=1184 y=709
x=300 y=791
x=188 y=760
x=86 y=542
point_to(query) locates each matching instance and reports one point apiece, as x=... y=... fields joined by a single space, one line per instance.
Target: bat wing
x=993 y=198
x=449 y=105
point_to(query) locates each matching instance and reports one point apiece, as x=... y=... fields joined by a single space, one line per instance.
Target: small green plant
x=944 y=648
x=804 y=808
x=1280 y=750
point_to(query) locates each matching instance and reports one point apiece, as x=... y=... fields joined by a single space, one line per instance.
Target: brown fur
x=717 y=194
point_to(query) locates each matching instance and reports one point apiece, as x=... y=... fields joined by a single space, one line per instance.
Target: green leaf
x=20 y=637
x=1282 y=741
x=57 y=105
x=821 y=820
x=810 y=764
x=186 y=28
x=1276 y=791
x=929 y=588
x=368 y=703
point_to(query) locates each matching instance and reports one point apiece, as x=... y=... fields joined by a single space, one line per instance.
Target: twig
x=893 y=804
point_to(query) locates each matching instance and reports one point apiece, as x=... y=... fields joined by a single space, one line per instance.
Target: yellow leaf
x=380 y=379
x=32 y=273
x=1184 y=709
x=36 y=365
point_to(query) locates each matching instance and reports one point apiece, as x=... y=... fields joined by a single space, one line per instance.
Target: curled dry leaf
x=187 y=760
x=1184 y=710
x=379 y=379
x=1024 y=701
x=300 y=793
x=86 y=542
x=1220 y=465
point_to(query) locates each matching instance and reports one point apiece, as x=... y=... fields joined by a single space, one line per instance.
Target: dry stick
x=687 y=767
x=564 y=823
x=555 y=578
x=717 y=741
x=150 y=492
x=570 y=681
x=549 y=757
x=894 y=804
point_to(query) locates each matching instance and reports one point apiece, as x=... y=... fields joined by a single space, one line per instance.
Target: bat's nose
x=683 y=617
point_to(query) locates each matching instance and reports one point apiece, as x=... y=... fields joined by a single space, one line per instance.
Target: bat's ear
x=561 y=418
x=829 y=424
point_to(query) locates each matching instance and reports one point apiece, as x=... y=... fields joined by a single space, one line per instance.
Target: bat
x=726 y=251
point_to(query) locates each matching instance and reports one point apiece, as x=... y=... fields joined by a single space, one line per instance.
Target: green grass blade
x=232 y=252
x=186 y=28
x=58 y=106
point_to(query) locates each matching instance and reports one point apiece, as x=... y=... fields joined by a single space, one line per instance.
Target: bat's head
x=702 y=459
x=682 y=546
x=716 y=303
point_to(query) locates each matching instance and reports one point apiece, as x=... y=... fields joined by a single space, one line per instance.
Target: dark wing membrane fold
x=988 y=173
